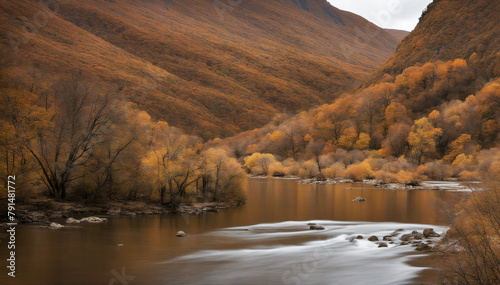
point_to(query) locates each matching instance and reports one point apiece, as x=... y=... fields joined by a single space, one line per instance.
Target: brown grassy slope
x=210 y=73
x=398 y=34
x=451 y=29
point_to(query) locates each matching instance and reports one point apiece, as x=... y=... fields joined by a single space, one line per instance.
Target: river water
x=266 y=241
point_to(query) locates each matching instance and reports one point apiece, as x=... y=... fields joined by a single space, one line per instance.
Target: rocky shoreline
x=422 y=241
x=45 y=211
x=410 y=185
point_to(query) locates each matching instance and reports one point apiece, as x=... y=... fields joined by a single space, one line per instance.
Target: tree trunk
x=216 y=183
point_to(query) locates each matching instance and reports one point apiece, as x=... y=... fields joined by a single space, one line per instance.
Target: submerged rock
x=373 y=238
x=382 y=244
x=181 y=234
x=387 y=238
x=72 y=221
x=93 y=220
x=423 y=247
x=359 y=199
x=315 y=227
x=404 y=243
x=359 y=237
x=311 y=224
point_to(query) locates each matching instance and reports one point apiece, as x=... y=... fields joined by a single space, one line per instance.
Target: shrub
x=359 y=172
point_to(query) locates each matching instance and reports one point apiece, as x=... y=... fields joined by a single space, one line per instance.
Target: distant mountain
x=450 y=29
x=398 y=34
x=213 y=68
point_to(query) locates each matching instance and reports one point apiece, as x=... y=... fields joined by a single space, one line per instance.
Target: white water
x=290 y=253
x=453 y=186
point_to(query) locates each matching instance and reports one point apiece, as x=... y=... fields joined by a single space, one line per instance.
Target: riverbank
x=45 y=210
x=409 y=185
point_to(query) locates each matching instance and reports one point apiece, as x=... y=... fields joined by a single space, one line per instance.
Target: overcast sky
x=393 y=14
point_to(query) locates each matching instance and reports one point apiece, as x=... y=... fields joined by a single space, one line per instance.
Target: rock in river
x=359 y=199
x=72 y=221
x=382 y=244
x=423 y=247
x=55 y=226
x=373 y=238
x=430 y=233
x=181 y=234
x=315 y=227
x=94 y=220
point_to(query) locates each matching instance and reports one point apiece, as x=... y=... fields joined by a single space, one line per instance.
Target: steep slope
x=451 y=29
x=211 y=68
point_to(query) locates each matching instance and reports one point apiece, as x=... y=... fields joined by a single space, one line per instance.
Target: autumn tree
x=220 y=171
x=20 y=121
x=81 y=115
x=259 y=163
x=396 y=142
x=333 y=120
x=173 y=157
x=471 y=247
x=422 y=139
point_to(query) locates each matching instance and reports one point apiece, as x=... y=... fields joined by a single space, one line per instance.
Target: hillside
x=210 y=70
x=451 y=29
x=422 y=115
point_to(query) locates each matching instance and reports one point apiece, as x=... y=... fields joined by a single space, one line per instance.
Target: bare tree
x=80 y=117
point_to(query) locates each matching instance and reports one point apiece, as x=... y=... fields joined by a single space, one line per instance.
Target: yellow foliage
x=359 y=172
x=259 y=163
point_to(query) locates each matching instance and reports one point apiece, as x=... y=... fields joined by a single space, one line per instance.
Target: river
x=266 y=241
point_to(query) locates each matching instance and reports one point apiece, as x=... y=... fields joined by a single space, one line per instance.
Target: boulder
x=412 y=183
x=406 y=237
x=430 y=233
x=55 y=226
x=315 y=227
x=373 y=238
x=417 y=235
x=404 y=243
x=93 y=220
x=181 y=234
x=359 y=199
x=311 y=224
x=72 y=221
x=423 y=247
x=387 y=238
x=359 y=237
x=382 y=244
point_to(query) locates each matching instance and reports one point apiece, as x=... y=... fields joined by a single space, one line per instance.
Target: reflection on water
x=88 y=253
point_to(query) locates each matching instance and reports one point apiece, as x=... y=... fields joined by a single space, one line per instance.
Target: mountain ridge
x=210 y=70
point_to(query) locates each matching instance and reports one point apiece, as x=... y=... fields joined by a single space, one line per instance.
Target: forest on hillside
x=430 y=122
